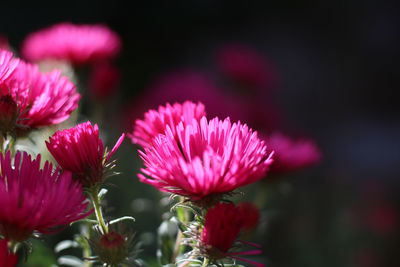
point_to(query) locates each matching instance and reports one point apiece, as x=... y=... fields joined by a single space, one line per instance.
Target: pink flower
x=51 y=97
x=37 y=99
x=7 y=258
x=103 y=81
x=79 y=44
x=222 y=225
x=205 y=160
x=291 y=155
x=7 y=66
x=36 y=200
x=156 y=121
x=80 y=151
x=245 y=66
x=4 y=42
x=195 y=86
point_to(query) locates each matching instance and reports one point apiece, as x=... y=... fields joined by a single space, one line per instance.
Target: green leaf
x=70 y=261
x=122 y=219
x=65 y=244
x=102 y=193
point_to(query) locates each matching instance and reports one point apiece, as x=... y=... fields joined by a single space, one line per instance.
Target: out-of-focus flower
x=182 y=85
x=206 y=159
x=375 y=212
x=79 y=44
x=156 y=121
x=196 y=86
x=33 y=99
x=4 y=42
x=7 y=259
x=103 y=81
x=222 y=225
x=251 y=214
x=80 y=151
x=290 y=154
x=34 y=200
x=245 y=66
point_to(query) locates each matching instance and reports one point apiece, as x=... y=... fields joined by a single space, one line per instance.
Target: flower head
x=245 y=66
x=156 y=121
x=34 y=200
x=4 y=42
x=7 y=66
x=31 y=99
x=80 y=151
x=79 y=44
x=291 y=155
x=205 y=159
x=115 y=247
x=103 y=81
x=7 y=258
x=223 y=223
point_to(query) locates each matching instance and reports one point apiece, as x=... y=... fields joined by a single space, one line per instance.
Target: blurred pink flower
x=206 y=160
x=155 y=121
x=80 y=151
x=222 y=225
x=7 y=258
x=195 y=86
x=4 y=42
x=251 y=213
x=36 y=200
x=245 y=66
x=290 y=154
x=103 y=81
x=79 y=44
x=37 y=99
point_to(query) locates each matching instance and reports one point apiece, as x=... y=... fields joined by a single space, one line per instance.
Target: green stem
x=205 y=262
x=97 y=209
x=177 y=245
x=86 y=252
x=11 y=145
x=1 y=144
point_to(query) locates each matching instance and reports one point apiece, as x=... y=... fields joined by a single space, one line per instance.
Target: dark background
x=338 y=68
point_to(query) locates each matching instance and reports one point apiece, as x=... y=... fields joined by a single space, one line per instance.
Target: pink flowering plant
x=60 y=179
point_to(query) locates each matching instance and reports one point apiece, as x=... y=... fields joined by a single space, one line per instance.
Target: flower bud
x=112 y=248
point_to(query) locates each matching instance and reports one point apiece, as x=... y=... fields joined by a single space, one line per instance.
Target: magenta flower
x=79 y=44
x=7 y=258
x=103 y=81
x=291 y=155
x=4 y=42
x=31 y=99
x=80 y=151
x=7 y=66
x=222 y=225
x=205 y=160
x=34 y=200
x=156 y=121
x=245 y=66
x=51 y=97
